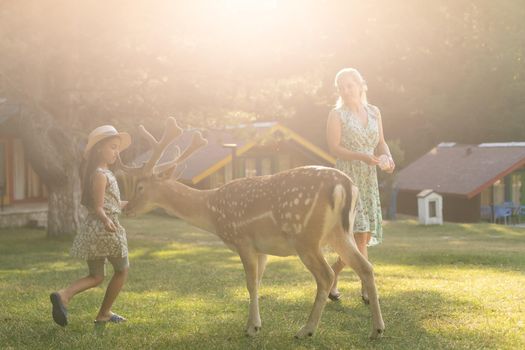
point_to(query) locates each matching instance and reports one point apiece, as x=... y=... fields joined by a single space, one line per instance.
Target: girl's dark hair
x=87 y=170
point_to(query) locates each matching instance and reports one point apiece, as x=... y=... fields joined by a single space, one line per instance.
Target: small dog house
x=430 y=208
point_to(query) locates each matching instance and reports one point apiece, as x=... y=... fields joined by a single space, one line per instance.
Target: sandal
x=114 y=318
x=59 y=310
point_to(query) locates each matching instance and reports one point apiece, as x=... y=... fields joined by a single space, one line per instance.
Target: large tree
x=449 y=70
x=51 y=150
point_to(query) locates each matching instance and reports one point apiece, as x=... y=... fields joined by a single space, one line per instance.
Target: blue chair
x=486 y=212
x=502 y=212
x=515 y=210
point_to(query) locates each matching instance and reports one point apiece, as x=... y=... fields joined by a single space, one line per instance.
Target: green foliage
x=441 y=71
x=441 y=287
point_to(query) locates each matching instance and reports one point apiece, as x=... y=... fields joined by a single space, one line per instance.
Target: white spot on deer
x=264 y=215
x=307 y=201
x=297 y=228
x=296 y=201
x=310 y=211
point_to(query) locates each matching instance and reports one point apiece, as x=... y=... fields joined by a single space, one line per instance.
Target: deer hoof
x=334 y=296
x=252 y=330
x=303 y=333
x=377 y=333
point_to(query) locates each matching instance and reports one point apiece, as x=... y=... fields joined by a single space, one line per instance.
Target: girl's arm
x=333 y=138
x=123 y=204
x=99 y=187
x=382 y=147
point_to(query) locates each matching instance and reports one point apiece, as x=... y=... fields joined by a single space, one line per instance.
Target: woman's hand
x=370 y=159
x=123 y=204
x=391 y=165
x=109 y=225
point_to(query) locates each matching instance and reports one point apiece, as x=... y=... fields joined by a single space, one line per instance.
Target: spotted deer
x=294 y=212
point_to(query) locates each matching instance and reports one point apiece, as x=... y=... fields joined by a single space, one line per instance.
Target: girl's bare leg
x=112 y=291
x=79 y=286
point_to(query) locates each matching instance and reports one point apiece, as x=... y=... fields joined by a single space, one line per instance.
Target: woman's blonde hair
x=357 y=77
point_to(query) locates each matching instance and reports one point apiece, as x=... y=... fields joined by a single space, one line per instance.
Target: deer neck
x=187 y=203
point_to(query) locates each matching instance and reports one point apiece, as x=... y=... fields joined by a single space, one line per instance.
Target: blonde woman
x=355 y=137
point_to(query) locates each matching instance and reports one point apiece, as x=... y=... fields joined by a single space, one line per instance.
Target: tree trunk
x=65 y=211
x=52 y=150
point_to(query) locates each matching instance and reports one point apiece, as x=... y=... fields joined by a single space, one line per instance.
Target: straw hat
x=103 y=132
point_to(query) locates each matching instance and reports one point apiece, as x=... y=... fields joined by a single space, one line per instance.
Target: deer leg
x=250 y=261
x=337 y=267
x=344 y=244
x=261 y=265
x=323 y=274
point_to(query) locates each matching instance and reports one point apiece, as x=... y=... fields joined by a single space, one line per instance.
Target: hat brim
x=125 y=142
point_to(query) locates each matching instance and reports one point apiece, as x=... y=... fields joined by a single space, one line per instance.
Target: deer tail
x=344 y=202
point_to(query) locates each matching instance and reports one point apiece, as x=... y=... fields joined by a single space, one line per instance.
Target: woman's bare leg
x=362 y=239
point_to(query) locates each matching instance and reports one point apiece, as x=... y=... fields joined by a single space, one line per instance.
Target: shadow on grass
x=495 y=260
x=182 y=296
x=414 y=320
x=410 y=319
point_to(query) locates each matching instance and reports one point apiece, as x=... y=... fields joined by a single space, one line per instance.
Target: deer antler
x=171 y=132
x=133 y=171
x=197 y=142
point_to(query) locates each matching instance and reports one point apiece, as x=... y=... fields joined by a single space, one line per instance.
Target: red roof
x=464 y=170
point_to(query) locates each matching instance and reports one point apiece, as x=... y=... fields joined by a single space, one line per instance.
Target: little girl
x=102 y=237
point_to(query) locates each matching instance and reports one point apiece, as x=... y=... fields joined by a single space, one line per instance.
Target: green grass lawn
x=447 y=287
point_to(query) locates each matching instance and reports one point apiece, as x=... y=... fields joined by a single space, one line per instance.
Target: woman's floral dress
x=358 y=138
x=93 y=241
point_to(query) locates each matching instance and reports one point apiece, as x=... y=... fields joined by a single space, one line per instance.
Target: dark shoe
x=59 y=310
x=334 y=297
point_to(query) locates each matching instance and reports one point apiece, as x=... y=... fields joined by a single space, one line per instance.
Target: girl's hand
x=123 y=204
x=110 y=225
x=370 y=159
